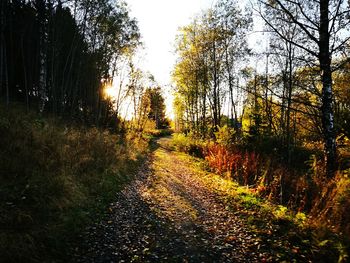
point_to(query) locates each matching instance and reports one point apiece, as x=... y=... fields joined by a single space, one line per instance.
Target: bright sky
x=159 y=21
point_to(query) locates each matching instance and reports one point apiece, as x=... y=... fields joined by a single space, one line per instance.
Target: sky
x=159 y=21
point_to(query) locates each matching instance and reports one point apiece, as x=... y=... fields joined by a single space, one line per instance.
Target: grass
x=54 y=179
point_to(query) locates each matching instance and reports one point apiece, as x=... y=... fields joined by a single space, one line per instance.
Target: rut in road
x=169 y=215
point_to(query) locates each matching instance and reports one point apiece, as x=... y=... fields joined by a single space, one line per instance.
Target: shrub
x=188 y=144
x=225 y=136
x=241 y=166
x=220 y=159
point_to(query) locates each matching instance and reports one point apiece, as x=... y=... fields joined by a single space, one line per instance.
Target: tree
x=3 y=51
x=323 y=24
x=342 y=100
x=210 y=50
x=154 y=102
x=57 y=55
x=235 y=26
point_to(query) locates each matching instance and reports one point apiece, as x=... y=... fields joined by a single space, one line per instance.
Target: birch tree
x=324 y=24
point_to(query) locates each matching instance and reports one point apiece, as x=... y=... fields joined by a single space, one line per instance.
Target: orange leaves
x=220 y=159
x=261 y=189
x=242 y=166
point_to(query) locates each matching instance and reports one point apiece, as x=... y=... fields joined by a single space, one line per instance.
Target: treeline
x=209 y=51
x=58 y=56
x=293 y=92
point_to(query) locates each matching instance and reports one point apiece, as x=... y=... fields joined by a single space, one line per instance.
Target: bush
x=159 y=132
x=303 y=187
x=225 y=136
x=188 y=144
x=241 y=166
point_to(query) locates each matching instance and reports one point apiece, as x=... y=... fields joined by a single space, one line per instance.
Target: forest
x=254 y=162
x=281 y=125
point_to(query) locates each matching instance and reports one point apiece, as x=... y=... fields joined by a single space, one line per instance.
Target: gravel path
x=168 y=215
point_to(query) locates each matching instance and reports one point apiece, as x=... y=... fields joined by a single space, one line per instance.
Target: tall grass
x=53 y=179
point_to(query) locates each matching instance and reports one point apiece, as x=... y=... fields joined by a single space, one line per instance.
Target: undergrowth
x=188 y=144
x=313 y=201
x=54 y=179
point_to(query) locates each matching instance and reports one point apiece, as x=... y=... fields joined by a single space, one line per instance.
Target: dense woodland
x=77 y=112
x=61 y=56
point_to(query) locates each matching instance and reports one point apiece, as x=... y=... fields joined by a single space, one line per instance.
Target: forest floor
x=175 y=211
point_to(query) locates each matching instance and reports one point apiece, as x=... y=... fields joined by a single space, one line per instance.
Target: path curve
x=169 y=215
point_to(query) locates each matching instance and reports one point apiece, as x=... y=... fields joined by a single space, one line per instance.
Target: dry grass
x=54 y=178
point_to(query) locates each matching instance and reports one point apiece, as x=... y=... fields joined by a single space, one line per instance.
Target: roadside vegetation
x=55 y=178
x=269 y=122
x=288 y=235
x=250 y=181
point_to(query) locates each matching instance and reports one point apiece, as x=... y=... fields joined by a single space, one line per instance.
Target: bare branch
x=339 y=14
x=316 y=26
x=301 y=25
x=342 y=64
x=286 y=39
x=280 y=105
x=340 y=45
x=335 y=16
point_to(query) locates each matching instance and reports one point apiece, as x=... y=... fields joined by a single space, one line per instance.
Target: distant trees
x=57 y=56
x=210 y=50
x=153 y=107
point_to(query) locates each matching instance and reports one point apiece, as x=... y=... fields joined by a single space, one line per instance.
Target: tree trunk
x=6 y=75
x=25 y=73
x=289 y=103
x=42 y=16
x=268 y=99
x=327 y=92
x=3 y=57
x=204 y=102
x=233 y=104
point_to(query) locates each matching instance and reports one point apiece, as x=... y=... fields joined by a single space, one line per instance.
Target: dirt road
x=168 y=214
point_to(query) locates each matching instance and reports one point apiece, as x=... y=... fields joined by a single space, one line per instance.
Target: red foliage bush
x=265 y=174
x=241 y=166
x=310 y=191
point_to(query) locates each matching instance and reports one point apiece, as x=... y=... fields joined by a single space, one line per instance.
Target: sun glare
x=110 y=92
